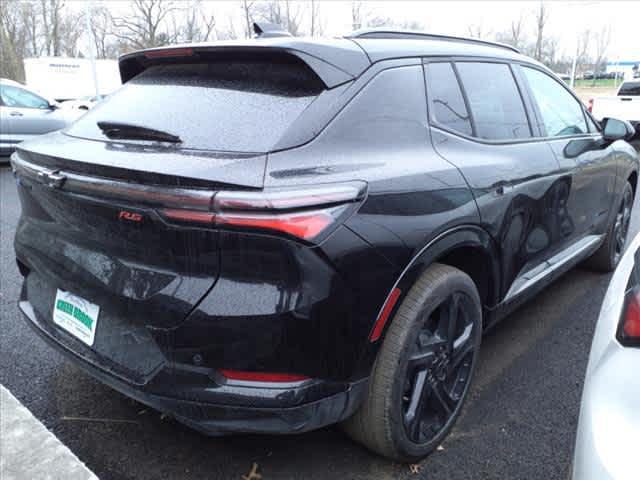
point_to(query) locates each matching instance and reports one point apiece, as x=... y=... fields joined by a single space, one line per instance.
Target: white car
x=24 y=114
x=608 y=440
x=625 y=105
x=82 y=103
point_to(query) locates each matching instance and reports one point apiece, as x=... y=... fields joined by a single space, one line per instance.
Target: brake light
x=263 y=376
x=590 y=105
x=630 y=325
x=301 y=225
x=169 y=52
x=302 y=213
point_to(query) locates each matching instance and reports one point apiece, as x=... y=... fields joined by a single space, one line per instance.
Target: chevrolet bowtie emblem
x=52 y=179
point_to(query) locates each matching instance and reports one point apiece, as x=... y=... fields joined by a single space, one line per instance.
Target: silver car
x=609 y=426
x=25 y=114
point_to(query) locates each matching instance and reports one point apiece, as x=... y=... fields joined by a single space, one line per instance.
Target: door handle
x=15 y=114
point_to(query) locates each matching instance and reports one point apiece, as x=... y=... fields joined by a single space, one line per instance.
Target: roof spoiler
x=269 y=30
x=335 y=61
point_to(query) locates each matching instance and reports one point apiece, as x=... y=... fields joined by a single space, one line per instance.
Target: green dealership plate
x=76 y=315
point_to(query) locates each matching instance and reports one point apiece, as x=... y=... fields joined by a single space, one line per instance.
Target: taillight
x=590 y=105
x=629 y=330
x=268 y=377
x=305 y=213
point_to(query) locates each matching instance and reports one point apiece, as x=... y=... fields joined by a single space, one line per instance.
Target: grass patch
x=601 y=83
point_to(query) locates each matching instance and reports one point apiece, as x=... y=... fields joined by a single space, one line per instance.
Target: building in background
x=62 y=78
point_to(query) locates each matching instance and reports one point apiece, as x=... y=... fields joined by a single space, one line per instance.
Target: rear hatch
x=170 y=138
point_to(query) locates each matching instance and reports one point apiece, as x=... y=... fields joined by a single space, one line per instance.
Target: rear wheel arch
x=468 y=248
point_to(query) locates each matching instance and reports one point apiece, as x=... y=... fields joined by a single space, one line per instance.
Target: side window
x=445 y=98
x=494 y=99
x=19 y=98
x=561 y=113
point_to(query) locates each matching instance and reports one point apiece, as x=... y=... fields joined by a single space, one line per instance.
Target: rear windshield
x=629 y=88
x=242 y=106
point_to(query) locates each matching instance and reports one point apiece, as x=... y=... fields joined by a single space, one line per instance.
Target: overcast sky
x=566 y=18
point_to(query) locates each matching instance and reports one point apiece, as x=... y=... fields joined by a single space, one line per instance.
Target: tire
x=386 y=422
x=608 y=255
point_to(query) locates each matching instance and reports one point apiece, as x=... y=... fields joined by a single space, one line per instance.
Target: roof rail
x=269 y=30
x=414 y=35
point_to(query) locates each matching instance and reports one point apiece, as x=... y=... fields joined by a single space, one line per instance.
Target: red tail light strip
x=631 y=320
x=384 y=314
x=302 y=225
x=305 y=225
x=263 y=376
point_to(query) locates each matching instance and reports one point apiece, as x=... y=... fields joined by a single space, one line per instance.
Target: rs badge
x=131 y=216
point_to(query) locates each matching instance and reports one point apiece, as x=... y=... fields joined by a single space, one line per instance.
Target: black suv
x=279 y=234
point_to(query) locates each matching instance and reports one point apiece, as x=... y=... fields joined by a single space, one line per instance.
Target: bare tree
x=478 y=31
x=542 y=15
x=602 y=40
x=34 y=28
x=317 y=28
x=514 y=35
x=13 y=40
x=228 y=32
x=52 y=18
x=100 y=22
x=145 y=26
x=247 y=15
x=358 y=15
x=389 y=22
x=198 y=25
x=282 y=13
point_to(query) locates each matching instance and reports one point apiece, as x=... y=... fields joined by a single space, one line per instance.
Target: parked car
x=24 y=114
x=609 y=425
x=625 y=104
x=83 y=103
x=287 y=233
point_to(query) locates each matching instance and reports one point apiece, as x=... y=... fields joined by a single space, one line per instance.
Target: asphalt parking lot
x=519 y=422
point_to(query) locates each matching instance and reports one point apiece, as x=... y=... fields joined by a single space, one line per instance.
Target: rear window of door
x=494 y=99
x=561 y=113
x=231 y=105
x=446 y=103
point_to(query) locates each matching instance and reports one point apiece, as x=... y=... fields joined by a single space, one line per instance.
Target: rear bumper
x=205 y=402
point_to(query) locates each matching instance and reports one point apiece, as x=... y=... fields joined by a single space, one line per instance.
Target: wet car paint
x=268 y=303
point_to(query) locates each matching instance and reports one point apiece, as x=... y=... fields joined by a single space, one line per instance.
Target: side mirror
x=614 y=129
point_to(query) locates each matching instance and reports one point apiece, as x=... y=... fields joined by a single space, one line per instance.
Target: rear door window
x=496 y=105
x=562 y=114
x=234 y=106
x=446 y=102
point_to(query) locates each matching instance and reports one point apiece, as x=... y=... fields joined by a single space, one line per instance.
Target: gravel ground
x=518 y=424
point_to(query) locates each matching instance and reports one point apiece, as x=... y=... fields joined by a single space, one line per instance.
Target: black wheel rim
x=621 y=226
x=439 y=368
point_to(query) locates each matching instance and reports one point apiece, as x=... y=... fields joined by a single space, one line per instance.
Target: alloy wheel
x=621 y=225
x=439 y=368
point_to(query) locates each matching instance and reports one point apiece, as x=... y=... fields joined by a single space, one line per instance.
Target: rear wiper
x=125 y=131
